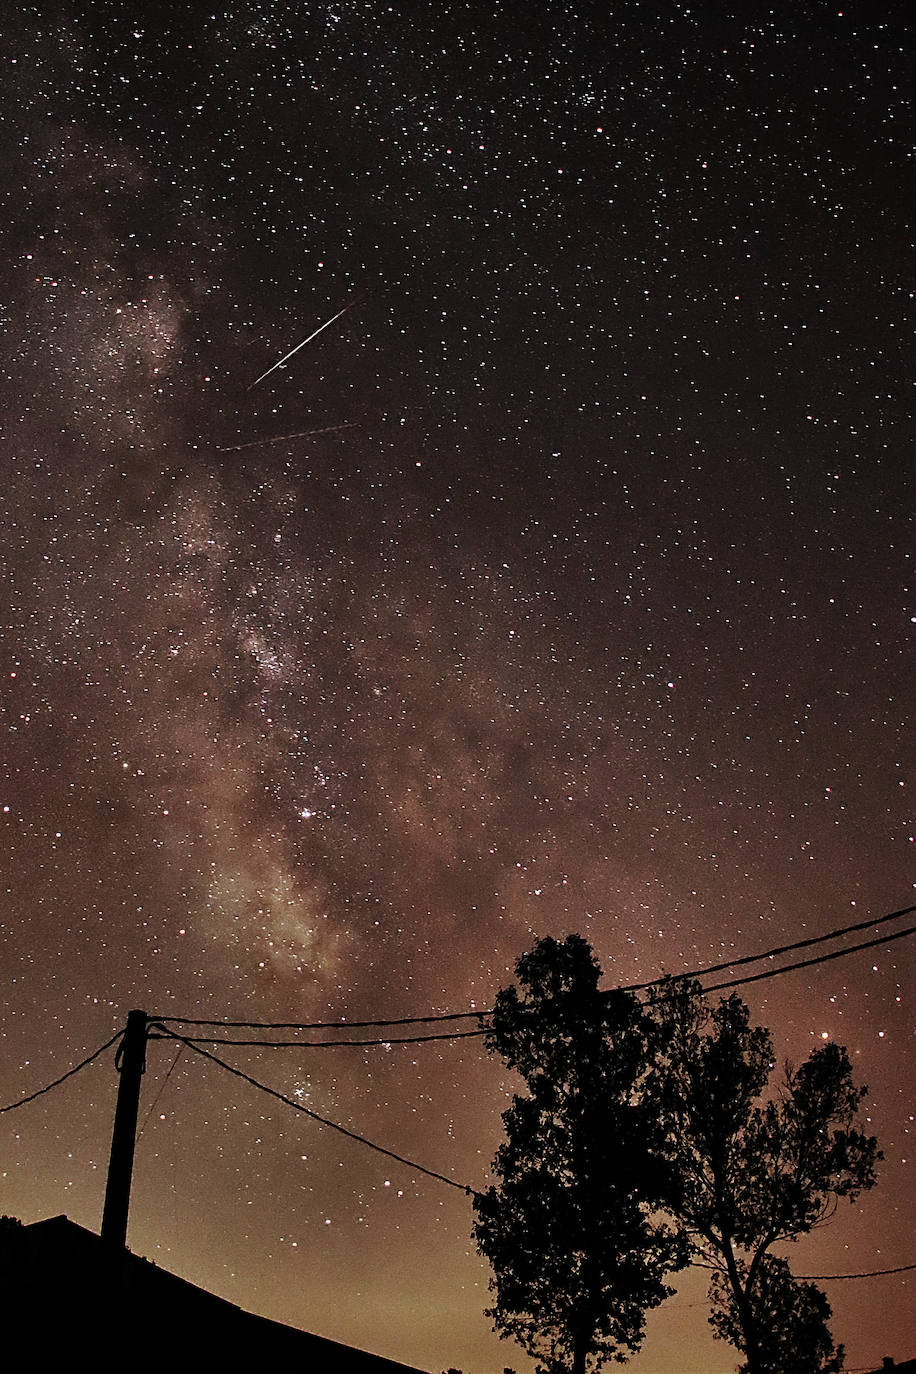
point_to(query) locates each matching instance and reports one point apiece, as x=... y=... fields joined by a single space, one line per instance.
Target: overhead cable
x=777 y=950
x=740 y=962
x=64 y=1076
x=155 y=1102
x=808 y=963
x=322 y=1044
x=870 y=1274
x=382 y=1041
x=324 y=1025
x=322 y=1120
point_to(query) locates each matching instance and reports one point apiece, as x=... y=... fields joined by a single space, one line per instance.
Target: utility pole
x=131 y=1064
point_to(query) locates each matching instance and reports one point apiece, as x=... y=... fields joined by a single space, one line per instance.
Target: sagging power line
x=324 y=1025
x=867 y=1274
x=165 y=1021
x=322 y=1044
x=382 y=1041
x=777 y=950
x=809 y=963
x=322 y=1120
x=440 y=1017
x=132 y=1052
x=740 y=962
x=21 y=1102
x=140 y=1026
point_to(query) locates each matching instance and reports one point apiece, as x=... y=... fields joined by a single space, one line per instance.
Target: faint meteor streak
x=280 y=438
x=312 y=336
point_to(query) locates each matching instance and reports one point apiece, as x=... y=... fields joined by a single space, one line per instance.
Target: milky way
x=586 y=607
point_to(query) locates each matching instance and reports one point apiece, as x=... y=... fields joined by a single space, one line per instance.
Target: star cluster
x=578 y=599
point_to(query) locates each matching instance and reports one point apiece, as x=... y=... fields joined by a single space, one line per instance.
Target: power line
x=325 y=1025
x=871 y=1274
x=464 y=1035
x=162 y=1088
x=626 y=987
x=808 y=963
x=778 y=949
x=64 y=1076
x=322 y=1120
x=323 y=1044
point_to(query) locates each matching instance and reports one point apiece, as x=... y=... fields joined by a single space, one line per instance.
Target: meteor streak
x=312 y=336
x=279 y=439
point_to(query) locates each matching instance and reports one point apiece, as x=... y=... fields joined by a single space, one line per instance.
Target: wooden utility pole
x=131 y=1063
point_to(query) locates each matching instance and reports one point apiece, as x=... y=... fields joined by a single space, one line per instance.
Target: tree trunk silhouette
x=580 y=1351
x=745 y=1314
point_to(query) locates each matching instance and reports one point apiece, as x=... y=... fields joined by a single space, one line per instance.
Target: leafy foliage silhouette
x=577 y=1254
x=649 y=1135
x=791 y=1319
x=754 y=1167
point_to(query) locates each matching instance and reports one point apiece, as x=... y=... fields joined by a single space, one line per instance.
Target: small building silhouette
x=70 y=1303
x=889 y=1366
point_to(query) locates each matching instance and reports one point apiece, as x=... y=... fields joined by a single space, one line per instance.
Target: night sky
x=588 y=610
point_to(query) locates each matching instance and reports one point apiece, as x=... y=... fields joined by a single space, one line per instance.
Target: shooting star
x=312 y=336
x=281 y=438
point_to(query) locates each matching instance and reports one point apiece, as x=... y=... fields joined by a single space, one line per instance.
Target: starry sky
x=584 y=608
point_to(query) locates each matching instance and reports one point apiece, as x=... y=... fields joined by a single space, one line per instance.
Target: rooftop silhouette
x=72 y=1303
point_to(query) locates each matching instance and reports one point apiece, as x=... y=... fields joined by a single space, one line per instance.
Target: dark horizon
x=193 y=1328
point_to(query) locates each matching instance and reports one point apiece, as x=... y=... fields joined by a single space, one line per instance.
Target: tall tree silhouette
x=577 y=1255
x=752 y=1173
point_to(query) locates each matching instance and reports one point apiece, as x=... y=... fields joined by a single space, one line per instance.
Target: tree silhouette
x=791 y=1320
x=577 y=1255
x=749 y=1174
